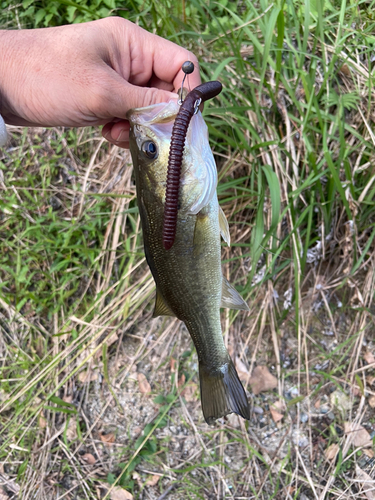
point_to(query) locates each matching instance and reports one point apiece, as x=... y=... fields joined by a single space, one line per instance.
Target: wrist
x=13 y=50
x=5 y=69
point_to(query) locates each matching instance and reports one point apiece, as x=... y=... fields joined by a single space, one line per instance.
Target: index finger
x=167 y=60
x=192 y=80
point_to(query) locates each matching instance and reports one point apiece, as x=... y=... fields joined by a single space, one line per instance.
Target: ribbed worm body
x=203 y=93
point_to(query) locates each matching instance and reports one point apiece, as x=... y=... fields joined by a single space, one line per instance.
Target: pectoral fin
x=224 y=228
x=200 y=232
x=230 y=298
x=161 y=308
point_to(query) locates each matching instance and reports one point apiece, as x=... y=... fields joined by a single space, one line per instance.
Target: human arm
x=87 y=74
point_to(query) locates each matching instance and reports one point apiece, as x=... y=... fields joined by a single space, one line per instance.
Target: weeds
x=293 y=138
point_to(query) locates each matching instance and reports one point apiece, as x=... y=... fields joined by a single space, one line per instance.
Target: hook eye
x=196 y=105
x=150 y=150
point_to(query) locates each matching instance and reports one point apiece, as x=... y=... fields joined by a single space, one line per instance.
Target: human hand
x=87 y=74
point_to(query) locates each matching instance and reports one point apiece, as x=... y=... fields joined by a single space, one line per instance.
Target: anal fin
x=222 y=392
x=161 y=307
x=230 y=298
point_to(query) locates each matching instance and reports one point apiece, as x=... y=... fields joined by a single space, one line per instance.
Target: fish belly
x=189 y=279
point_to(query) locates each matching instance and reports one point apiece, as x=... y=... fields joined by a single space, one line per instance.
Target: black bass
x=188 y=277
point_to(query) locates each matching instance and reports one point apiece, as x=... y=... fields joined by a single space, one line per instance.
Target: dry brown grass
x=94 y=345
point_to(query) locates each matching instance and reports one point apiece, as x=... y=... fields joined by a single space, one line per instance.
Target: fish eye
x=150 y=149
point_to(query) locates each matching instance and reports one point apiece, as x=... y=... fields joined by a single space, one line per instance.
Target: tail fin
x=222 y=392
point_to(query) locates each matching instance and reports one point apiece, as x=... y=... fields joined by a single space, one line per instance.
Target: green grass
x=293 y=138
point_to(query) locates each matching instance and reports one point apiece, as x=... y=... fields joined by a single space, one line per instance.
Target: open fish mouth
x=198 y=175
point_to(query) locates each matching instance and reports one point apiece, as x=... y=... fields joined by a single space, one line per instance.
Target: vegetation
x=96 y=397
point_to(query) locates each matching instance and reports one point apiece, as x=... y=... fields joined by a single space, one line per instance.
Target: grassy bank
x=94 y=393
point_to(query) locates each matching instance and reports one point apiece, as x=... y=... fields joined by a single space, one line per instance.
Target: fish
x=188 y=277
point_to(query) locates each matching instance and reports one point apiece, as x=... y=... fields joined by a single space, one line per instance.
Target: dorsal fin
x=230 y=298
x=161 y=308
x=224 y=228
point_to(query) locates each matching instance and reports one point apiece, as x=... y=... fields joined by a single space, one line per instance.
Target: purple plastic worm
x=203 y=93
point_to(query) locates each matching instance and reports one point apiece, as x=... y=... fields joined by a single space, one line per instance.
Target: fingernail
x=121 y=136
x=107 y=135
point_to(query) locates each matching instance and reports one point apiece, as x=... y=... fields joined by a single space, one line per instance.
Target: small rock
x=55 y=203
x=300 y=439
x=304 y=417
x=233 y=420
x=340 y=401
x=303 y=442
x=294 y=393
x=258 y=410
x=89 y=458
x=339 y=430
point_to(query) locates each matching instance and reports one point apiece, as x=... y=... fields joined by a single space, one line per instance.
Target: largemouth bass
x=188 y=277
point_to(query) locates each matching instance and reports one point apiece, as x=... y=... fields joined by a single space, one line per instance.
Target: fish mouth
x=198 y=179
x=164 y=112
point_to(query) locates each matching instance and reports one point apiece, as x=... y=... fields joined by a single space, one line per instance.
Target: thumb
x=139 y=97
x=129 y=97
x=125 y=96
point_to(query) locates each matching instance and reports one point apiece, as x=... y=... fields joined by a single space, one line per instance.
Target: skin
x=88 y=74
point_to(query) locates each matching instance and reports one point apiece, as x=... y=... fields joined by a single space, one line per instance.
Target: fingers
x=124 y=96
x=88 y=74
x=168 y=59
x=192 y=80
x=114 y=96
x=140 y=97
x=117 y=133
x=174 y=72
x=153 y=60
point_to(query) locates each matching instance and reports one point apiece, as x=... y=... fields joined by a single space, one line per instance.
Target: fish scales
x=196 y=299
x=188 y=276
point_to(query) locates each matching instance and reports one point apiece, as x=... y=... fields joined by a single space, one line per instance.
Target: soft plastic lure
x=187 y=110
